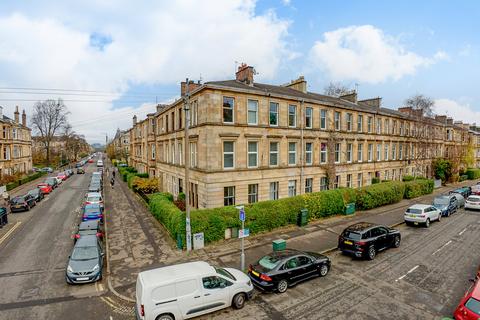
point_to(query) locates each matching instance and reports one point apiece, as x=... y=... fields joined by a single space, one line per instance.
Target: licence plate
x=412 y=216
x=82 y=279
x=17 y=206
x=348 y=242
x=255 y=273
x=415 y=223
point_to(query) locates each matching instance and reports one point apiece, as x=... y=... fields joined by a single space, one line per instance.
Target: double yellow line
x=9 y=232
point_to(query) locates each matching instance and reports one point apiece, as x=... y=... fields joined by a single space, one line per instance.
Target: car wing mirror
x=471 y=280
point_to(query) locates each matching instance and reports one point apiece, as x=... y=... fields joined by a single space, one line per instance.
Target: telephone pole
x=186 y=107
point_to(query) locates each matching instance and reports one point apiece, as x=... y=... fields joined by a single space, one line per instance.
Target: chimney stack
x=1 y=113
x=134 y=120
x=374 y=102
x=299 y=84
x=17 y=115
x=24 y=118
x=352 y=97
x=245 y=74
x=191 y=86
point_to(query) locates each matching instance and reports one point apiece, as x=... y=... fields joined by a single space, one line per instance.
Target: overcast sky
x=117 y=58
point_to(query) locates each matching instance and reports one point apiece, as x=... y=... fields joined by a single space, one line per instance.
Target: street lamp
x=186 y=152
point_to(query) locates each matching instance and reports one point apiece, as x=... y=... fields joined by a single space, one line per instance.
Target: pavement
x=138 y=242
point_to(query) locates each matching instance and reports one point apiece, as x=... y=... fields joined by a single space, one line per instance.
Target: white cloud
x=366 y=54
x=48 y=46
x=457 y=110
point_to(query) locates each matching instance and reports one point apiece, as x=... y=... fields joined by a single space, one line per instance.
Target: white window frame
x=228 y=153
x=294 y=152
x=338 y=151
x=323 y=183
x=337 y=120
x=250 y=110
x=308 y=185
x=386 y=147
x=349 y=180
x=292 y=188
x=274 y=192
x=324 y=119
x=276 y=152
x=370 y=152
x=360 y=152
x=249 y=153
x=223 y=107
x=349 y=152
x=252 y=194
x=228 y=196
x=359 y=180
x=323 y=152
x=294 y=108
x=349 y=118
x=379 y=152
x=309 y=117
x=360 y=123
x=309 y=153
x=277 y=106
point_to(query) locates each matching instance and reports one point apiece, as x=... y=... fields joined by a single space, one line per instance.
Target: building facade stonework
x=251 y=142
x=16 y=144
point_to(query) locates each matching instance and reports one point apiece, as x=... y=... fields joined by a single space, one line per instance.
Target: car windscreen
x=414 y=211
x=225 y=273
x=84 y=253
x=473 y=305
x=18 y=200
x=87 y=232
x=93 y=199
x=33 y=192
x=441 y=201
x=352 y=235
x=269 y=262
x=92 y=210
x=473 y=199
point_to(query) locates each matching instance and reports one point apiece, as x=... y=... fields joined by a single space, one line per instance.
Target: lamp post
x=186 y=107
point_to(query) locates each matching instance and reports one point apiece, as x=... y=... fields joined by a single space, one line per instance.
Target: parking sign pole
x=242 y=243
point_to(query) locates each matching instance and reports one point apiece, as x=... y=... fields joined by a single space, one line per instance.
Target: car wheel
x=324 y=270
x=27 y=208
x=427 y=223
x=439 y=217
x=408 y=223
x=371 y=253
x=165 y=317
x=282 y=286
x=396 y=242
x=238 y=301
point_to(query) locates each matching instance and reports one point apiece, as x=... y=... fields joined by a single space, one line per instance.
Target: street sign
x=242 y=214
x=243 y=233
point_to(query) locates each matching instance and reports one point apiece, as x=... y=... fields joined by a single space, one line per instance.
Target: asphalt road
x=423 y=279
x=33 y=261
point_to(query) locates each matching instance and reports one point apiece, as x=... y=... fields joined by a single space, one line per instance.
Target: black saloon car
x=36 y=194
x=284 y=268
x=364 y=239
x=22 y=203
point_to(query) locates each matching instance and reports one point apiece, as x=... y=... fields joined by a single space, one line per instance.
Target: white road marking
x=461 y=232
x=446 y=244
x=409 y=271
x=9 y=232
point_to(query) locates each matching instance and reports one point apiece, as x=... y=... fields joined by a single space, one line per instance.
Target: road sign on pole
x=241 y=215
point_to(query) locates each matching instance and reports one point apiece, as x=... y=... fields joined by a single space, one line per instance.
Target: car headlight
x=96 y=267
x=69 y=269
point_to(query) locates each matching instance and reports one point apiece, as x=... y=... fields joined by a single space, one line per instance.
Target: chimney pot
x=17 y=115
x=191 y=86
x=24 y=118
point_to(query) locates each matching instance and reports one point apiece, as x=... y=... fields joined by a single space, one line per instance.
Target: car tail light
x=360 y=243
x=250 y=268
x=142 y=310
x=422 y=216
x=77 y=236
x=99 y=234
x=264 y=277
x=87 y=202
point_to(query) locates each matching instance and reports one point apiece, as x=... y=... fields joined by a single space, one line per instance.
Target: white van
x=99 y=163
x=188 y=290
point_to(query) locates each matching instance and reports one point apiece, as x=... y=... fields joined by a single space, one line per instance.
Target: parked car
x=364 y=239
x=47 y=169
x=123 y=165
x=94 y=198
x=86 y=261
x=446 y=204
x=59 y=180
x=476 y=189
x=94 y=187
x=281 y=269
x=90 y=161
x=472 y=202
x=92 y=212
x=460 y=199
x=36 y=193
x=51 y=181
x=80 y=170
x=469 y=306
x=69 y=172
x=90 y=227
x=78 y=164
x=421 y=214
x=99 y=163
x=45 y=188
x=173 y=292
x=22 y=203
x=63 y=176
x=465 y=192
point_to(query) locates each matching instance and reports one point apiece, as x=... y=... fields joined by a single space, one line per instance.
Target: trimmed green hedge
x=473 y=173
x=418 y=188
x=163 y=209
x=142 y=175
x=14 y=184
x=379 y=194
x=408 y=178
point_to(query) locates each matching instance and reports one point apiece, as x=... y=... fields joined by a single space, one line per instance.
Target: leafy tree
x=442 y=169
x=336 y=89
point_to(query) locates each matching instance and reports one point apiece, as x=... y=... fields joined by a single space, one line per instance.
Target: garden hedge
x=379 y=194
x=473 y=173
x=417 y=188
x=162 y=208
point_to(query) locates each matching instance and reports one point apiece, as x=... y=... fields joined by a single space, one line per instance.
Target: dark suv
x=365 y=239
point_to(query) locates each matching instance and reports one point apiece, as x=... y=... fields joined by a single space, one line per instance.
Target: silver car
x=86 y=262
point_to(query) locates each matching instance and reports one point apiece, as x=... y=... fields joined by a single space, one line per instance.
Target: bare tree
x=48 y=118
x=336 y=89
x=423 y=132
